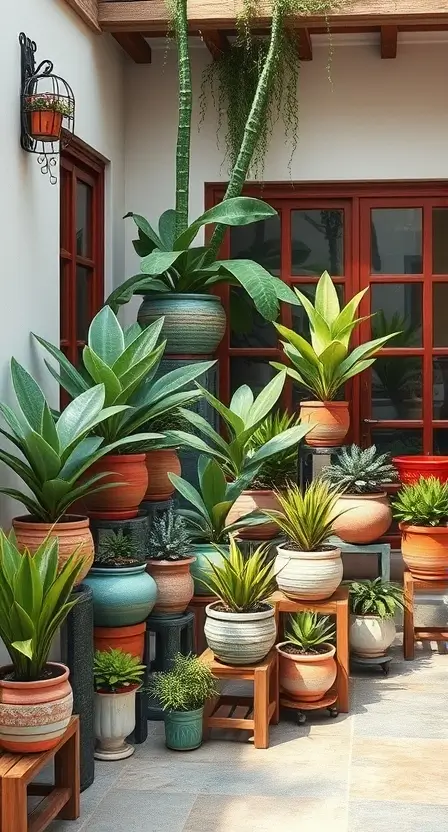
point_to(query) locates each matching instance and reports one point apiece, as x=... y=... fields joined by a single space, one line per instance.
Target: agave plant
x=126 y=363
x=281 y=469
x=114 y=670
x=307 y=519
x=425 y=503
x=325 y=365
x=375 y=598
x=212 y=503
x=242 y=584
x=117 y=549
x=34 y=602
x=309 y=631
x=169 y=538
x=56 y=452
x=357 y=471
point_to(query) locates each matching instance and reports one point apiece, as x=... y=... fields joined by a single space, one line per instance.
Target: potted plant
x=55 y=454
x=170 y=556
x=182 y=693
x=363 y=506
x=46 y=114
x=307 y=667
x=126 y=363
x=240 y=627
x=306 y=566
x=117 y=677
x=164 y=460
x=325 y=365
x=411 y=468
x=207 y=521
x=422 y=512
x=123 y=593
x=373 y=605
x=36 y=699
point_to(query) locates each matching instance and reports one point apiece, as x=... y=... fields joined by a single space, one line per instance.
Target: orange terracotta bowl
x=121 y=502
x=72 y=532
x=425 y=551
x=331 y=422
x=128 y=639
x=159 y=464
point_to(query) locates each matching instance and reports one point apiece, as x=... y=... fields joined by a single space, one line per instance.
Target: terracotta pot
x=253 y=500
x=34 y=715
x=308 y=576
x=72 y=531
x=371 y=635
x=46 y=125
x=411 y=468
x=331 y=419
x=425 y=551
x=309 y=677
x=366 y=517
x=159 y=464
x=121 y=502
x=175 y=587
x=128 y=639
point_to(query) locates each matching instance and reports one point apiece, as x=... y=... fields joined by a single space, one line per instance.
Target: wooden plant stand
x=337 y=605
x=260 y=709
x=411 y=634
x=61 y=800
x=197 y=606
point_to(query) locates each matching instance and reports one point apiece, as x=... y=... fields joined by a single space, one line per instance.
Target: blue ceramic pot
x=183 y=729
x=194 y=324
x=121 y=596
x=205 y=552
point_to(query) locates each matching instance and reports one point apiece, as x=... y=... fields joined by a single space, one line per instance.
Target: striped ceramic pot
x=239 y=638
x=194 y=324
x=308 y=576
x=34 y=715
x=306 y=677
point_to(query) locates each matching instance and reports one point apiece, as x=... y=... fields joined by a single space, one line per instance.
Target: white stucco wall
x=29 y=204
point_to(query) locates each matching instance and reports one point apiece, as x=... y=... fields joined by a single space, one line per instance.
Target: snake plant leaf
x=212 y=483
x=130 y=334
x=105 y=336
x=46 y=461
x=326 y=301
x=359 y=367
x=238 y=211
x=299 y=343
x=189 y=492
x=17 y=423
x=69 y=374
x=266 y=400
x=101 y=373
x=319 y=329
x=30 y=503
x=144 y=226
x=137 y=347
x=29 y=395
x=167 y=227
x=232 y=419
x=180 y=377
x=347 y=314
x=204 y=426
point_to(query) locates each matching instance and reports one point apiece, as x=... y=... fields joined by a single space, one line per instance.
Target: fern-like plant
x=169 y=538
x=279 y=470
x=358 y=471
x=424 y=503
x=307 y=519
x=375 y=598
x=186 y=687
x=114 y=670
x=241 y=584
x=117 y=549
x=309 y=632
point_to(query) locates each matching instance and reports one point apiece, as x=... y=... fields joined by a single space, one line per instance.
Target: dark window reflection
x=396 y=241
x=255 y=372
x=317 y=242
x=397 y=308
x=247 y=327
x=397 y=388
x=398 y=442
x=259 y=241
x=440 y=387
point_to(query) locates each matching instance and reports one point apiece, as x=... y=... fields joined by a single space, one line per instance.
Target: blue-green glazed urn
x=121 y=595
x=183 y=729
x=194 y=324
x=205 y=552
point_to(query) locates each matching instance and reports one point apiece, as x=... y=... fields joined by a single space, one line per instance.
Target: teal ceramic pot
x=194 y=324
x=121 y=596
x=201 y=568
x=183 y=729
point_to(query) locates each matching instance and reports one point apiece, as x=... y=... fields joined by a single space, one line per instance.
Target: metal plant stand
x=383 y=662
x=312 y=460
x=136 y=529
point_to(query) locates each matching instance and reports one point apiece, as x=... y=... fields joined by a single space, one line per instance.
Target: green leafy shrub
x=307 y=519
x=242 y=584
x=282 y=468
x=117 y=549
x=309 y=630
x=169 y=538
x=185 y=687
x=359 y=471
x=114 y=669
x=375 y=598
x=424 y=503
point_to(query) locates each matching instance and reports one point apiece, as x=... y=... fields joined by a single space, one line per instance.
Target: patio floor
x=382 y=767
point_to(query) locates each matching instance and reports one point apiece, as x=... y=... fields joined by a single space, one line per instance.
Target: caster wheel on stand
x=333 y=712
x=301 y=718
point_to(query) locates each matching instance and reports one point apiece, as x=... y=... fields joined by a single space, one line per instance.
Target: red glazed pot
x=159 y=464
x=411 y=468
x=121 y=502
x=128 y=639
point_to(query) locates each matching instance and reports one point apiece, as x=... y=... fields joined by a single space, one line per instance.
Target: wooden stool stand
x=261 y=709
x=411 y=634
x=62 y=799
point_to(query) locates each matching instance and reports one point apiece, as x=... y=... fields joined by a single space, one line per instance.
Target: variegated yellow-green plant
x=306 y=519
x=242 y=584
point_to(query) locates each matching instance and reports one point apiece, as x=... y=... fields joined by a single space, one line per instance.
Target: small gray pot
x=239 y=638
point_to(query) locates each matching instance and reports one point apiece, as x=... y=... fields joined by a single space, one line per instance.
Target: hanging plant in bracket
x=47 y=109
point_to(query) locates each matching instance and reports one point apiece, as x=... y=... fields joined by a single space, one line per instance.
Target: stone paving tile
x=106 y=776
x=218 y=813
x=376 y=816
x=141 y=811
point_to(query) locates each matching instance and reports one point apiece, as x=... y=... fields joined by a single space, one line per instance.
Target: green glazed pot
x=194 y=324
x=183 y=729
x=204 y=552
x=121 y=596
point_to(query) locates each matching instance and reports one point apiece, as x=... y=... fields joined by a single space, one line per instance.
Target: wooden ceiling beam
x=304 y=44
x=389 y=40
x=135 y=46
x=88 y=12
x=216 y=42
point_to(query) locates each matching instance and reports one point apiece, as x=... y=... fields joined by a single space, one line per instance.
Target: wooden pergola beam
x=388 y=40
x=135 y=46
x=216 y=42
x=88 y=12
x=304 y=45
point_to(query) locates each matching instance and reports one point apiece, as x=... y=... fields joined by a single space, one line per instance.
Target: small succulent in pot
x=422 y=511
x=115 y=671
x=117 y=676
x=309 y=632
x=424 y=503
x=117 y=549
x=170 y=557
x=307 y=668
x=358 y=471
x=373 y=605
x=169 y=538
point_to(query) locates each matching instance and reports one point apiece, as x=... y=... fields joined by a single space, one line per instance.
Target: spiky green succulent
x=358 y=471
x=279 y=470
x=425 y=503
x=309 y=631
x=169 y=538
x=117 y=549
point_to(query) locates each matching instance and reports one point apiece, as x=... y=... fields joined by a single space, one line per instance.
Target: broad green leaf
x=266 y=400
x=79 y=414
x=167 y=223
x=299 y=343
x=44 y=461
x=287 y=439
x=123 y=293
x=212 y=484
x=105 y=337
x=333 y=356
x=131 y=333
x=48 y=429
x=144 y=226
x=347 y=314
x=237 y=211
x=189 y=493
x=24 y=647
x=68 y=371
x=234 y=421
x=101 y=373
x=242 y=401
x=80 y=455
x=17 y=423
x=29 y=395
x=19 y=467
x=205 y=428
x=34 y=507
x=159 y=261
x=258 y=284
x=140 y=347
x=326 y=300
x=284 y=292
x=175 y=379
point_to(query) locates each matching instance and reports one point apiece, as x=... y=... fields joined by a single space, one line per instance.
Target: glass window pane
x=440 y=314
x=256 y=372
x=398 y=308
x=396 y=242
x=317 y=242
x=259 y=241
x=441 y=441
x=299 y=317
x=65 y=197
x=440 y=240
x=83 y=305
x=398 y=441
x=83 y=219
x=440 y=387
x=247 y=327
x=397 y=388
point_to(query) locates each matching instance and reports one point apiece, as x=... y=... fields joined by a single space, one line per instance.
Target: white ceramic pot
x=309 y=576
x=239 y=638
x=371 y=635
x=114 y=721
x=365 y=518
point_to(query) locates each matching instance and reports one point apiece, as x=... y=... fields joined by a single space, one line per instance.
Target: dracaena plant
x=326 y=364
x=211 y=503
x=242 y=418
x=34 y=602
x=307 y=519
x=55 y=453
x=242 y=584
x=126 y=363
